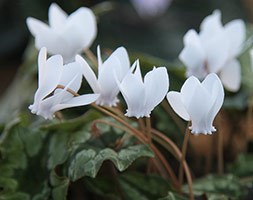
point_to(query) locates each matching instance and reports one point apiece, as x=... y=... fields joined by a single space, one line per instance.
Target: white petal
x=99 y=58
x=56 y=17
x=77 y=101
x=192 y=55
x=211 y=25
x=88 y=74
x=106 y=79
x=62 y=95
x=36 y=26
x=198 y=109
x=217 y=50
x=187 y=90
x=45 y=108
x=85 y=20
x=156 y=85
x=133 y=91
x=235 y=32
x=137 y=70
x=50 y=75
x=231 y=75
x=213 y=84
x=122 y=55
x=42 y=59
x=175 y=100
x=70 y=71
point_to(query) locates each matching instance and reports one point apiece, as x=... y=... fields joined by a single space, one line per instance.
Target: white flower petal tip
x=58 y=86
x=113 y=69
x=198 y=102
x=76 y=31
x=142 y=96
x=213 y=49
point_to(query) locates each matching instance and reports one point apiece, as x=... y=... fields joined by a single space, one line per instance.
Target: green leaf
x=62 y=143
x=103 y=186
x=131 y=193
x=144 y=183
x=15 y=196
x=227 y=186
x=32 y=140
x=173 y=196
x=242 y=166
x=73 y=124
x=88 y=162
x=12 y=148
x=60 y=186
x=8 y=185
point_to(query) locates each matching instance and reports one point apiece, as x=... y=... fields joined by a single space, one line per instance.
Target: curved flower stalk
x=214 y=50
x=65 y=35
x=55 y=79
x=143 y=96
x=198 y=102
x=105 y=84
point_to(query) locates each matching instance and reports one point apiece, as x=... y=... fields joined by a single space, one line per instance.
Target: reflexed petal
x=187 y=90
x=192 y=38
x=210 y=81
x=76 y=101
x=198 y=108
x=36 y=27
x=99 y=59
x=217 y=94
x=192 y=55
x=55 y=43
x=174 y=99
x=133 y=91
x=42 y=59
x=50 y=75
x=45 y=108
x=231 y=75
x=235 y=32
x=85 y=20
x=45 y=37
x=156 y=86
x=70 y=71
x=211 y=25
x=72 y=36
x=137 y=70
x=217 y=50
x=122 y=55
x=106 y=80
x=56 y=17
x=88 y=74
x=62 y=95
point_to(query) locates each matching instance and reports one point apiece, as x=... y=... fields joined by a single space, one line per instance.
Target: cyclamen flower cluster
x=214 y=50
x=59 y=83
x=65 y=35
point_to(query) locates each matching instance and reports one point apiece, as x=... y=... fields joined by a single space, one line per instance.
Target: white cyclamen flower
x=65 y=35
x=105 y=84
x=55 y=79
x=214 y=50
x=143 y=96
x=198 y=102
x=151 y=8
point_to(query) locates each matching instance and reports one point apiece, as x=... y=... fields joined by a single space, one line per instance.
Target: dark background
x=160 y=36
